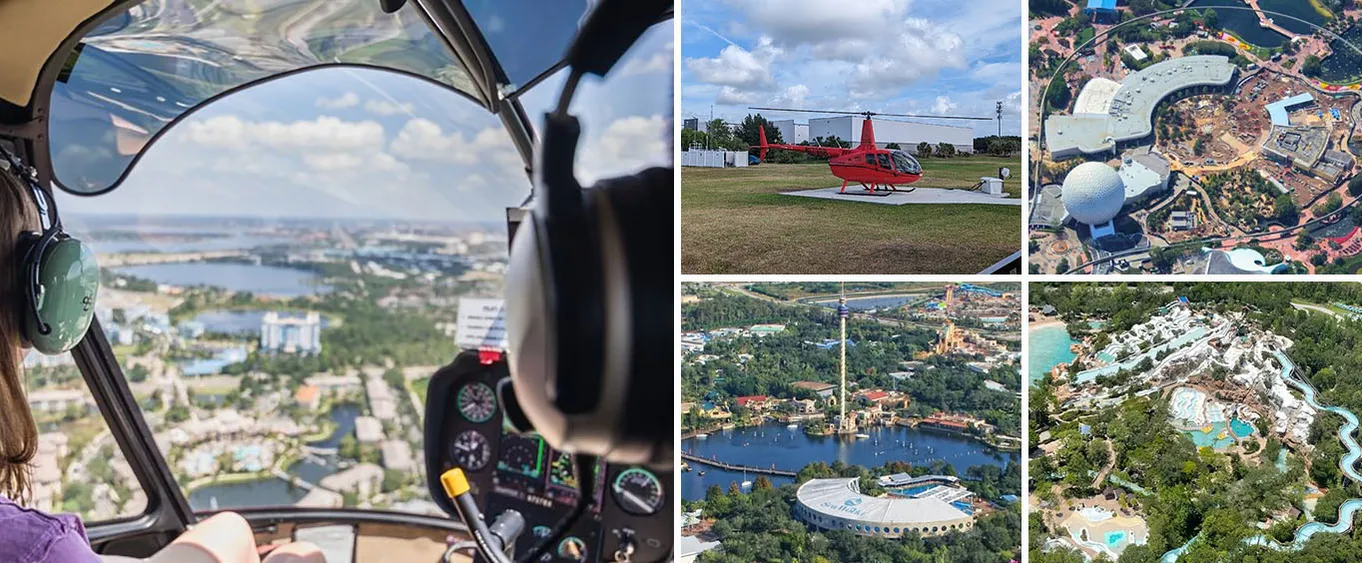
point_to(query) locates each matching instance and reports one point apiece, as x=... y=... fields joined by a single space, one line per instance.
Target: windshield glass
x=304 y=245
x=906 y=164
x=626 y=117
x=505 y=24
x=142 y=69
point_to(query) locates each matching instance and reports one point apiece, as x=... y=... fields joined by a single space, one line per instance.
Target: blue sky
x=349 y=142
x=899 y=56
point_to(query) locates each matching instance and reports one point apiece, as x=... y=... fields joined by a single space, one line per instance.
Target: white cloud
x=422 y=139
x=347 y=100
x=921 y=51
x=997 y=73
x=319 y=135
x=944 y=105
x=660 y=61
x=333 y=161
x=626 y=146
x=730 y=96
x=872 y=53
x=386 y=107
x=793 y=96
x=737 y=67
x=815 y=21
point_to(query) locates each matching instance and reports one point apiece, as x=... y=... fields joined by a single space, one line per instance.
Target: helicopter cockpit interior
x=349 y=284
x=904 y=162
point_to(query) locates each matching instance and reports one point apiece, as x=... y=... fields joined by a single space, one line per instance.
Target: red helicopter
x=872 y=167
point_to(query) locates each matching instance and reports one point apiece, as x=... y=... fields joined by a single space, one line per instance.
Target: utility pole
x=1000 y=119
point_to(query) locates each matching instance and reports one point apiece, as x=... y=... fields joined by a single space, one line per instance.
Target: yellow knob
x=455 y=482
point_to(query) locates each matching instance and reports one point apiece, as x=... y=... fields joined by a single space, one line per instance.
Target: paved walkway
x=935 y=196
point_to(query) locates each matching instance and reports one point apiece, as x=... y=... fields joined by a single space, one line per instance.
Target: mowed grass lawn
x=734 y=221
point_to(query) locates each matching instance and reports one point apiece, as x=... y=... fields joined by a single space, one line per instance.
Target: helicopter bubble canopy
x=142 y=69
x=905 y=163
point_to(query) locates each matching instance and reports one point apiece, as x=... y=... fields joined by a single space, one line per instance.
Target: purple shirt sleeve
x=69 y=546
x=31 y=536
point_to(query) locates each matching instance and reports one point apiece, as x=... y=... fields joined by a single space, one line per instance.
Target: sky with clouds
x=362 y=143
x=895 y=56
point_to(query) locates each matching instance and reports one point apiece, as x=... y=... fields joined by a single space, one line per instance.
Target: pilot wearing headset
x=37 y=258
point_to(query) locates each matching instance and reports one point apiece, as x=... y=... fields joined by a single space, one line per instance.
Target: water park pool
x=912 y=491
x=1048 y=346
x=1185 y=403
x=1115 y=538
x=1216 y=436
x=1095 y=514
x=1221 y=435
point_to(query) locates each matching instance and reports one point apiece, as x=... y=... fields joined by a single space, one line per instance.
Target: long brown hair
x=18 y=430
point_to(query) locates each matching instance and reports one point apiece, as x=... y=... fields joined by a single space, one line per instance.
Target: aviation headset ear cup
x=23 y=250
x=68 y=285
x=643 y=210
x=630 y=417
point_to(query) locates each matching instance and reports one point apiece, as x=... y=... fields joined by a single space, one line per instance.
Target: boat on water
x=862 y=436
x=792 y=426
x=701 y=436
x=702 y=473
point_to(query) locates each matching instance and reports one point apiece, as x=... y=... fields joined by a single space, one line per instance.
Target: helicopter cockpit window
x=906 y=164
x=506 y=23
x=301 y=248
x=626 y=117
x=884 y=161
x=870 y=159
x=142 y=69
x=78 y=467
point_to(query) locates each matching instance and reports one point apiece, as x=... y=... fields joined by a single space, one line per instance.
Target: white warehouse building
x=907 y=135
x=793 y=133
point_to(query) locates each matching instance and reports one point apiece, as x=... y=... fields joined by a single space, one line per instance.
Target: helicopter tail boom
x=826 y=152
x=763 y=147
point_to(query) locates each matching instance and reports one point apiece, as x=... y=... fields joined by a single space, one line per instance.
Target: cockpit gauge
x=477 y=402
x=638 y=492
x=470 y=450
x=523 y=455
x=572 y=548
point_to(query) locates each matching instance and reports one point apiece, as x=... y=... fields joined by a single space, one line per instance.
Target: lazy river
x=1347 y=511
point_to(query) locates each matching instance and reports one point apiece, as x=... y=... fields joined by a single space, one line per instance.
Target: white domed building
x=1093 y=195
x=838 y=504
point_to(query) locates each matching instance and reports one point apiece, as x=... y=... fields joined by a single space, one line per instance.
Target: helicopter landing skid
x=876 y=190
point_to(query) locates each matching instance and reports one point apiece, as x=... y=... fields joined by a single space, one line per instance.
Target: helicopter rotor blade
x=874 y=114
x=810 y=111
x=937 y=116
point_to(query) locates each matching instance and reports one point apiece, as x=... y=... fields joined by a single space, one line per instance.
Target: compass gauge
x=470 y=451
x=477 y=402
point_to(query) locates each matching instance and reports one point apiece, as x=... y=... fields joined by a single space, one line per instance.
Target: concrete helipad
x=934 y=196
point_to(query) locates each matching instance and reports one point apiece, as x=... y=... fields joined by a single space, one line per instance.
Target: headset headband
x=51 y=228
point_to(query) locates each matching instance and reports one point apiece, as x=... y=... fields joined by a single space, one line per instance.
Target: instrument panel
x=521 y=472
